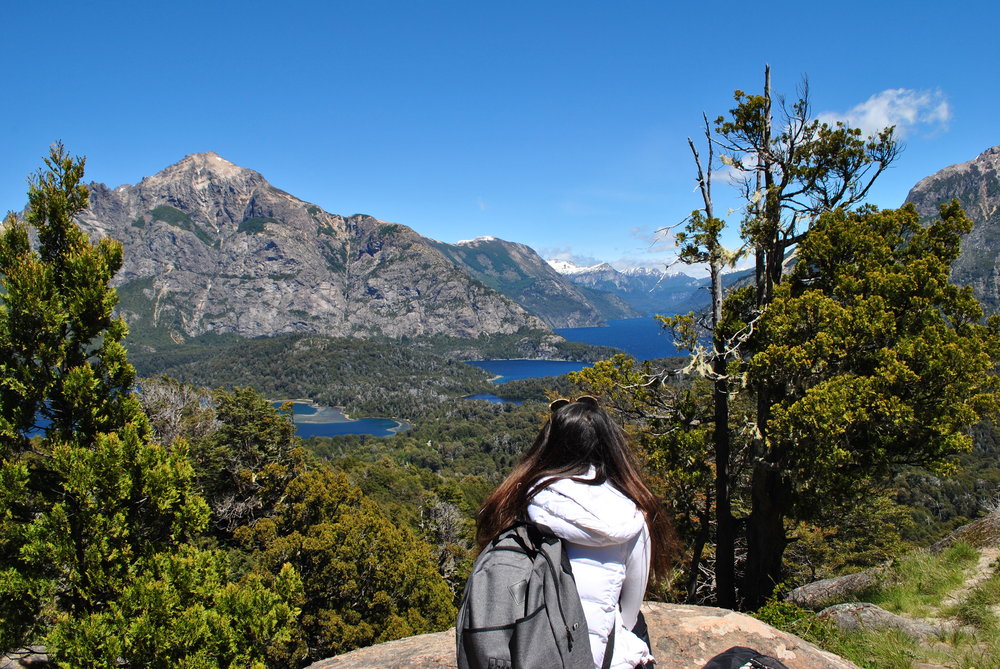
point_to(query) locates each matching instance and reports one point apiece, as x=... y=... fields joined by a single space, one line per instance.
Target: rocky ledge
x=684 y=637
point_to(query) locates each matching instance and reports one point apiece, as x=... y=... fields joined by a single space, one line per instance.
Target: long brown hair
x=577 y=436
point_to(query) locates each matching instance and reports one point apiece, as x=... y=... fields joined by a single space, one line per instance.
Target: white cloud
x=568 y=254
x=481 y=203
x=905 y=108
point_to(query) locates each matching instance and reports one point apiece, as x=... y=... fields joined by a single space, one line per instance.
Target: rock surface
x=976 y=185
x=683 y=637
x=819 y=594
x=859 y=615
x=25 y=658
x=688 y=636
x=981 y=533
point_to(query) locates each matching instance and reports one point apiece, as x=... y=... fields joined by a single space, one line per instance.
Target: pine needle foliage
x=96 y=518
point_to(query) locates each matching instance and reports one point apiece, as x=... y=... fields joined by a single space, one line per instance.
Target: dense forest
x=366 y=377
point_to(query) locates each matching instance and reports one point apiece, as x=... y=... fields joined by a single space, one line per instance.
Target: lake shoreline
x=641 y=338
x=512 y=369
x=325 y=415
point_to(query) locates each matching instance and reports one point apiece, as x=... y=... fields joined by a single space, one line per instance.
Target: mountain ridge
x=517 y=271
x=214 y=247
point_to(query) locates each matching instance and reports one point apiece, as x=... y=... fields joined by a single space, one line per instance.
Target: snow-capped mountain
x=648 y=290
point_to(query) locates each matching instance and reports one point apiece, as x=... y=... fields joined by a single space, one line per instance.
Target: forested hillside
x=365 y=376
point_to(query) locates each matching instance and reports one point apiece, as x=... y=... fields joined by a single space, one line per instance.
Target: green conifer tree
x=874 y=358
x=365 y=580
x=94 y=516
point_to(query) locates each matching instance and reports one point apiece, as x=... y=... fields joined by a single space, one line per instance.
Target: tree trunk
x=725 y=569
x=725 y=561
x=766 y=539
x=699 y=547
x=725 y=550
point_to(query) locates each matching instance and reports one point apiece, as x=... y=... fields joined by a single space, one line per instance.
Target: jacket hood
x=589 y=515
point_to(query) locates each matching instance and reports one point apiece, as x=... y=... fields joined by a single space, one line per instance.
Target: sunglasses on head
x=555 y=405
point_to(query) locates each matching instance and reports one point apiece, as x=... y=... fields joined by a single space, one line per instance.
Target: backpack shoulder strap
x=609 y=650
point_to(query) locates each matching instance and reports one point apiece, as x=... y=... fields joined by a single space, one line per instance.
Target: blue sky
x=561 y=125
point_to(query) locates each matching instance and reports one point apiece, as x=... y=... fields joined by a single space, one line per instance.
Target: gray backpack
x=521 y=609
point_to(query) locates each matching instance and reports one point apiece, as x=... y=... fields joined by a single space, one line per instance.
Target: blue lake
x=510 y=370
x=490 y=398
x=377 y=427
x=642 y=338
x=313 y=421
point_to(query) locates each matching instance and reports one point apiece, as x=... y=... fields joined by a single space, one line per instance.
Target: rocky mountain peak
x=642 y=271
x=200 y=170
x=976 y=185
x=567 y=267
x=953 y=180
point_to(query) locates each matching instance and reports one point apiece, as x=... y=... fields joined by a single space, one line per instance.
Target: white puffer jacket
x=608 y=545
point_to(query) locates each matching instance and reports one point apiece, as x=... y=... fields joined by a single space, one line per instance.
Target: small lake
x=314 y=421
x=510 y=370
x=490 y=398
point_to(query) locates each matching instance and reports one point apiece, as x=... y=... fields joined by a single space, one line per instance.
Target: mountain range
x=211 y=247
x=519 y=272
x=645 y=290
